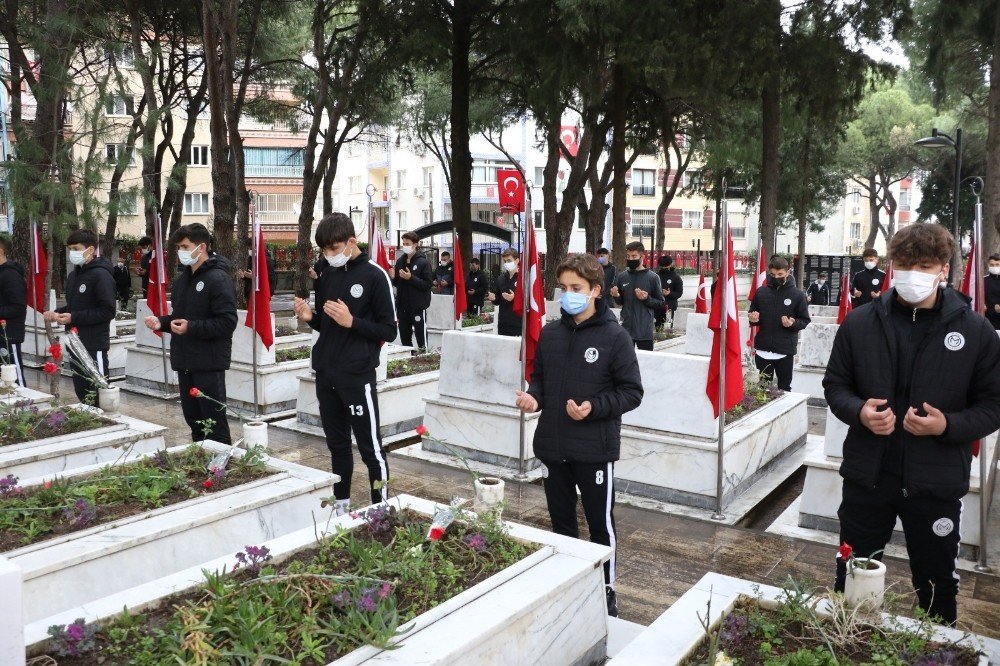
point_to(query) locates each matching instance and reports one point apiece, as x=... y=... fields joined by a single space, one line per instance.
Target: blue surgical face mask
x=603 y=261
x=574 y=302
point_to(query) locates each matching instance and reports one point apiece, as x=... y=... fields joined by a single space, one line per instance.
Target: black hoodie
x=594 y=360
x=347 y=357
x=413 y=295
x=13 y=300
x=206 y=298
x=91 y=303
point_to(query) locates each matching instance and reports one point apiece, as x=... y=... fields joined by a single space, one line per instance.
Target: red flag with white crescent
x=39 y=267
x=846 y=302
x=532 y=294
x=570 y=137
x=701 y=297
x=757 y=280
x=733 y=345
x=156 y=291
x=259 y=303
x=511 y=190
x=461 y=298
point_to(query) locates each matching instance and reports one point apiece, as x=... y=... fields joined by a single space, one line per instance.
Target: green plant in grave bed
x=414 y=365
x=23 y=422
x=293 y=354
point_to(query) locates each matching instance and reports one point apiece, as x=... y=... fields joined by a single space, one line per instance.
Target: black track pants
x=782 y=366
x=81 y=385
x=197 y=411
x=411 y=323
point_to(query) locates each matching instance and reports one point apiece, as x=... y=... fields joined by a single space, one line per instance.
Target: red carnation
x=50 y=368
x=55 y=350
x=208 y=484
x=845 y=551
x=436 y=533
x=421 y=430
x=194 y=393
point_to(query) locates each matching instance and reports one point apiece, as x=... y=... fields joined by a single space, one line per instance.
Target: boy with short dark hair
x=146 y=247
x=201 y=325
x=915 y=375
x=610 y=270
x=476 y=287
x=586 y=376
x=672 y=286
x=991 y=289
x=355 y=316
x=444 y=276
x=819 y=291
x=508 y=321
x=868 y=282
x=639 y=292
x=13 y=308
x=90 y=307
x=780 y=311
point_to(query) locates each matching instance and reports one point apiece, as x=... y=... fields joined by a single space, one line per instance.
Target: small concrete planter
x=110 y=400
x=547 y=608
x=865 y=582
x=8 y=375
x=489 y=492
x=255 y=434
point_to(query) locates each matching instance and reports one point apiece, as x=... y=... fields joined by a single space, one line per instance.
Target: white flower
x=722 y=660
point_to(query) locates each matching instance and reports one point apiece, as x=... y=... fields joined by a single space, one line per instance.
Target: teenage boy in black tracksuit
x=412 y=277
x=610 y=270
x=508 y=321
x=476 y=287
x=13 y=309
x=355 y=317
x=991 y=287
x=672 y=286
x=868 y=282
x=779 y=311
x=201 y=326
x=586 y=376
x=90 y=306
x=146 y=247
x=639 y=292
x=819 y=291
x=123 y=283
x=444 y=276
x=916 y=376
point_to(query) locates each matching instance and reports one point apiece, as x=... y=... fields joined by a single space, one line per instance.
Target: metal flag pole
x=985 y=480
x=161 y=292
x=456 y=324
x=720 y=292
x=34 y=287
x=522 y=474
x=255 y=282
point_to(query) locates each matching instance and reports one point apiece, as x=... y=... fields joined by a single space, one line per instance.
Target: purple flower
x=9 y=487
x=476 y=542
x=56 y=419
x=81 y=514
x=253 y=558
x=383 y=590
x=218 y=473
x=367 y=602
x=342 y=599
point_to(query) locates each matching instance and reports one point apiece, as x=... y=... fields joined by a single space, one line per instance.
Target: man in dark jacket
x=412 y=277
x=123 y=282
x=444 y=276
x=146 y=246
x=819 y=291
x=639 y=292
x=355 y=317
x=610 y=270
x=476 y=287
x=586 y=376
x=779 y=311
x=868 y=282
x=13 y=309
x=201 y=325
x=991 y=287
x=90 y=307
x=508 y=321
x=916 y=377
x=673 y=288
x=247 y=274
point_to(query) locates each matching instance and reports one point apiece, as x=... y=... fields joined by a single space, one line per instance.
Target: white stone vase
x=8 y=374
x=489 y=491
x=255 y=434
x=865 y=585
x=109 y=399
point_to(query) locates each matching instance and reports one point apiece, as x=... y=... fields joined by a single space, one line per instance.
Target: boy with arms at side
x=579 y=432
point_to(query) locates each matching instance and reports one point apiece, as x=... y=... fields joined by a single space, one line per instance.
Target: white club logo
x=417 y=318
x=357 y=290
x=83 y=288
x=591 y=355
x=954 y=341
x=788 y=301
x=199 y=286
x=943 y=526
x=875 y=281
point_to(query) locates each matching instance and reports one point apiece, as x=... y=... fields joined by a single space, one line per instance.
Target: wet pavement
x=659 y=555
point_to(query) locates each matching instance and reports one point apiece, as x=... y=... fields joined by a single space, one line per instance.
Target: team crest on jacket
x=83 y=288
x=591 y=355
x=357 y=290
x=199 y=286
x=954 y=341
x=943 y=526
x=788 y=301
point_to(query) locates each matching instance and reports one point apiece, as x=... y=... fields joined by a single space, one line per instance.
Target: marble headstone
x=245 y=337
x=698 y=337
x=12 y=627
x=823 y=310
x=816 y=343
x=664 y=378
x=480 y=366
x=836 y=433
x=144 y=336
x=441 y=313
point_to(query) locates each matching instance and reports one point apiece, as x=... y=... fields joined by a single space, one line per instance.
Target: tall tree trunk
x=549 y=211
x=770 y=158
x=803 y=206
x=991 y=205
x=873 y=212
x=620 y=190
x=328 y=180
x=146 y=68
x=461 y=155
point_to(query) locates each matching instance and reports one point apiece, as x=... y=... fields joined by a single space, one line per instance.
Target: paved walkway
x=659 y=555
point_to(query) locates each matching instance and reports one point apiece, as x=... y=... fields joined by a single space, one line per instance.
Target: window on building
x=644 y=182
x=279 y=205
x=539 y=176
x=120 y=105
x=427 y=216
x=429 y=178
x=904 y=199
x=538 y=219
x=643 y=222
x=855 y=231
x=196 y=203
x=401 y=179
x=485 y=172
x=128 y=204
x=691 y=179
x=357 y=217
x=693 y=219
x=199 y=156
x=739 y=232
x=855 y=196
x=401 y=219
x=121 y=55
x=114 y=151
x=274 y=162
x=354 y=184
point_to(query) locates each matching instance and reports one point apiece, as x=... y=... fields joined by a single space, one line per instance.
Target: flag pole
x=34 y=287
x=161 y=267
x=724 y=310
x=255 y=287
x=985 y=480
x=456 y=323
x=522 y=474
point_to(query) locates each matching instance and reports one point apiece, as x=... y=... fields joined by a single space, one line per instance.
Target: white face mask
x=510 y=266
x=871 y=264
x=189 y=257
x=408 y=249
x=77 y=257
x=915 y=286
x=821 y=282
x=338 y=260
x=994 y=270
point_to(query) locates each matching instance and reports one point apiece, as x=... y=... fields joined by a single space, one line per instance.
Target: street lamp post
x=941 y=140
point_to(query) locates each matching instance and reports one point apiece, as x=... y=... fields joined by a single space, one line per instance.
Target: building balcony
x=273 y=171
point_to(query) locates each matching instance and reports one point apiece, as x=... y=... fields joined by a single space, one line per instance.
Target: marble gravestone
x=34 y=349
x=144 y=359
x=12 y=627
x=698 y=336
x=815 y=345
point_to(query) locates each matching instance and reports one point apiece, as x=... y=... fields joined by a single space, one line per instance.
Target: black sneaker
x=612 y=603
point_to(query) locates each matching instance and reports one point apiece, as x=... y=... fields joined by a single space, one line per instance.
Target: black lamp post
x=941 y=140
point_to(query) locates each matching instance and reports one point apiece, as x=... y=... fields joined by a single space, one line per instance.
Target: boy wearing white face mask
x=90 y=305
x=508 y=321
x=868 y=282
x=991 y=287
x=413 y=280
x=916 y=376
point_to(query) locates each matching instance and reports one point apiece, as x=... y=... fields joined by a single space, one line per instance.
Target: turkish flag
x=39 y=267
x=700 y=299
x=461 y=299
x=570 y=137
x=531 y=282
x=733 y=345
x=156 y=291
x=511 y=190
x=379 y=254
x=846 y=302
x=259 y=303
x=756 y=282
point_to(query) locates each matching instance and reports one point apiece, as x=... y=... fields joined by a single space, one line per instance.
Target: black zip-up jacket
x=819 y=294
x=956 y=369
x=347 y=357
x=478 y=285
x=637 y=316
x=207 y=299
x=610 y=273
x=413 y=295
x=508 y=323
x=669 y=279
x=144 y=261
x=991 y=287
x=90 y=301
x=445 y=276
x=13 y=301
x=867 y=281
x=773 y=304
x=594 y=360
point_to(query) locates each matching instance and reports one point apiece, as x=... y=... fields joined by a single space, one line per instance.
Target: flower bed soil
x=24 y=423
x=293 y=354
x=414 y=366
x=66 y=505
x=755 y=396
x=355 y=588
